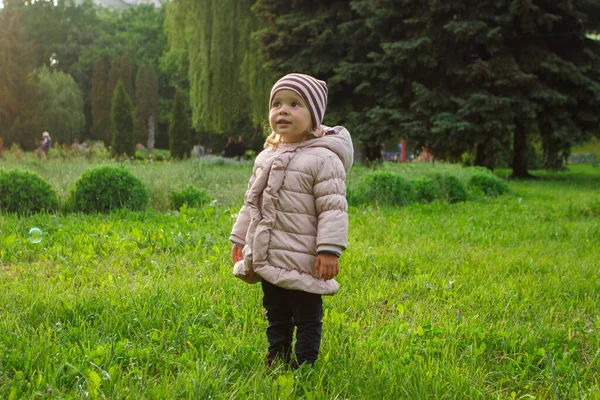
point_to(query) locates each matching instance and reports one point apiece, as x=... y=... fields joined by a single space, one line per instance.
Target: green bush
x=427 y=189
x=467 y=159
x=453 y=191
x=385 y=187
x=489 y=184
x=191 y=196
x=106 y=188
x=24 y=192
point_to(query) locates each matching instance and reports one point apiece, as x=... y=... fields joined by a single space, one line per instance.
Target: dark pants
x=285 y=310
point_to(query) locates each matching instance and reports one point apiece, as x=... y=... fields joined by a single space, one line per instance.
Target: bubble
x=35 y=235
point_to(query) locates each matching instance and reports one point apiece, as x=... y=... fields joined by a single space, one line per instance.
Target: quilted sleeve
x=238 y=232
x=332 y=207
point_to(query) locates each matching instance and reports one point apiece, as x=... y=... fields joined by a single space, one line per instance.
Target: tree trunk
x=519 y=162
x=552 y=157
x=552 y=149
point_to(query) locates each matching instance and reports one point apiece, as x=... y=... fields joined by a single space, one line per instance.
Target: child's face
x=289 y=116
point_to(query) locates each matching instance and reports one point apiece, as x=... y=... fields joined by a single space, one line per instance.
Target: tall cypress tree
x=100 y=114
x=179 y=130
x=126 y=76
x=113 y=80
x=122 y=123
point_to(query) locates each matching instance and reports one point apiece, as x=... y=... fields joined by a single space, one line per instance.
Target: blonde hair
x=274 y=138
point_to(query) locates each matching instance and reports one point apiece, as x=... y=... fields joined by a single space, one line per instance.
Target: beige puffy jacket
x=294 y=208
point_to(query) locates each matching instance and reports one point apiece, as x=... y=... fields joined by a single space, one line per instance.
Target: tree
x=226 y=83
x=147 y=105
x=451 y=76
x=113 y=79
x=100 y=103
x=179 y=130
x=126 y=76
x=61 y=109
x=122 y=123
x=18 y=92
x=136 y=32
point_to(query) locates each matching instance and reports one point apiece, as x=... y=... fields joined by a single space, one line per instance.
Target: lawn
x=490 y=298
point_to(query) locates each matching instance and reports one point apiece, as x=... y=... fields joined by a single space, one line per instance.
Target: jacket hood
x=338 y=140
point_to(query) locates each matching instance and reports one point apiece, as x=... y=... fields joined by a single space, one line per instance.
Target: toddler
x=293 y=226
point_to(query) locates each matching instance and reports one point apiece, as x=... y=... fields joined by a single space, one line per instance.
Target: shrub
x=467 y=159
x=427 y=189
x=453 y=191
x=190 y=196
x=385 y=187
x=249 y=154
x=106 y=188
x=24 y=192
x=489 y=184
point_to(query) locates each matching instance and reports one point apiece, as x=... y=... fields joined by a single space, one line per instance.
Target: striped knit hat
x=312 y=91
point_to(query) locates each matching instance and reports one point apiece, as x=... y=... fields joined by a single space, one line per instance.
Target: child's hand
x=236 y=253
x=327 y=266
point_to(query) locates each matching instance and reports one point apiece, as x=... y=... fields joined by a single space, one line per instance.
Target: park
x=472 y=265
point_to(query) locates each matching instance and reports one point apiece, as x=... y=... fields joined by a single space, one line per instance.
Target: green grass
x=493 y=298
x=224 y=179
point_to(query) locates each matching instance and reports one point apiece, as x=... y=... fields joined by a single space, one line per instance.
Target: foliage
x=18 y=92
x=427 y=189
x=488 y=184
x=24 y=192
x=107 y=188
x=136 y=32
x=191 y=197
x=386 y=188
x=113 y=79
x=121 y=123
x=147 y=102
x=60 y=31
x=61 y=109
x=453 y=191
x=100 y=103
x=229 y=85
x=452 y=77
x=126 y=76
x=179 y=130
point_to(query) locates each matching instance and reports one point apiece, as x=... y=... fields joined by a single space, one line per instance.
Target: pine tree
x=122 y=123
x=179 y=130
x=100 y=114
x=451 y=76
